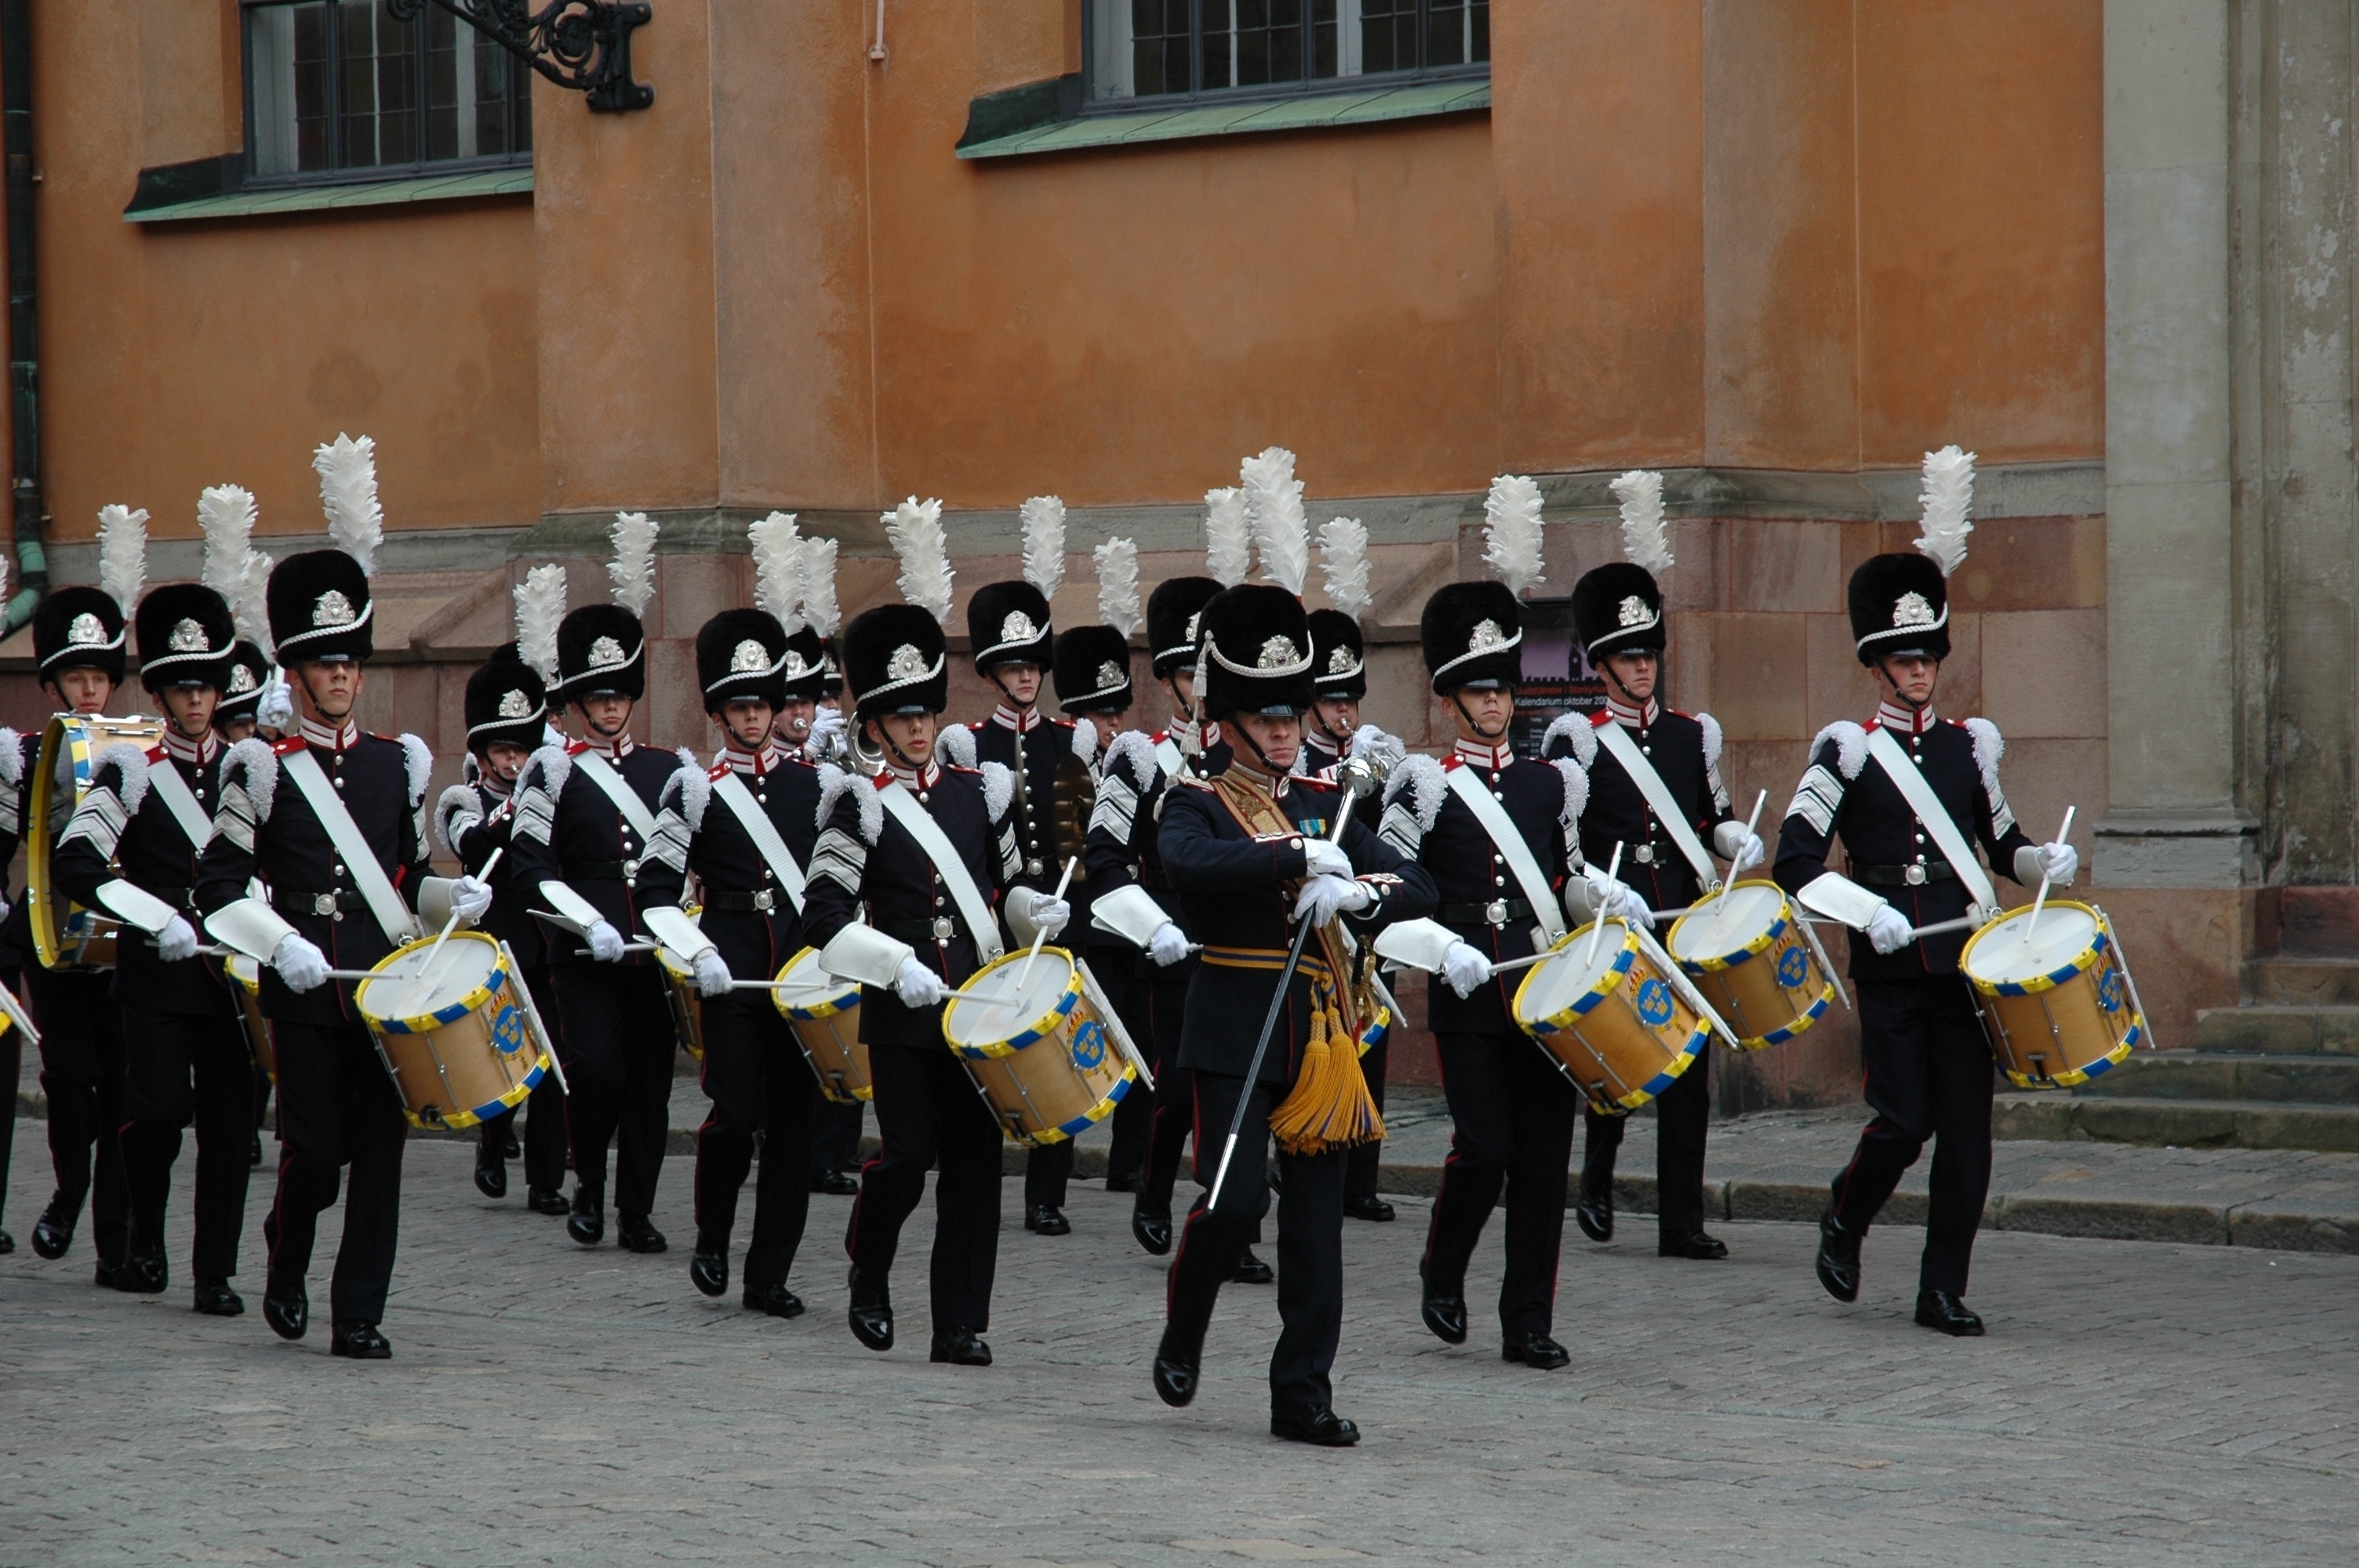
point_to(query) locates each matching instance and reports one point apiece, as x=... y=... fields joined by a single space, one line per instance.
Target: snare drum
x=1747 y=953
x=65 y=935
x=2057 y=1004
x=245 y=975
x=1613 y=1024
x=687 y=1003
x=1039 y=1053
x=824 y=1013
x=459 y=1042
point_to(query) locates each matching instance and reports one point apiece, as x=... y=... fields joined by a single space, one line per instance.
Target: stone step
x=2280 y=1031
x=2221 y=1075
x=2298 y=982
x=2178 y=1123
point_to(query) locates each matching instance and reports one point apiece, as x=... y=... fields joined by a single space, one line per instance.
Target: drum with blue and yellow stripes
x=456 y=1033
x=2056 y=998
x=1042 y=1046
x=1747 y=954
x=1612 y=1020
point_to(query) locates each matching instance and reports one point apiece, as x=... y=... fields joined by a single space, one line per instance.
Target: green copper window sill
x=1360 y=106
x=287 y=200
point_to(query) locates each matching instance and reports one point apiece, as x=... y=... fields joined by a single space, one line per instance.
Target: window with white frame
x=1163 y=48
x=344 y=89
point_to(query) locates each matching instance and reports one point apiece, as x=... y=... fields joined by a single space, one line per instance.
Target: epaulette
x=156 y=753
x=1312 y=781
x=1194 y=781
x=715 y=771
x=974 y=773
x=288 y=745
x=576 y=748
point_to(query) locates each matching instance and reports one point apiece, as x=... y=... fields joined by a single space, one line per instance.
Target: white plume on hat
x=122 y=554
x=540 y=606
x=1344 y=563
x=1044 y=544
x=1281 y=531
x=234 y=568
x=633 y=569
x=1946 y=490
x=777 y=567
x=1512 y=533
x=1228 y=536
x=347 y=471
x=815 y=582
x=1643 y=542
x=915 y=528
x=1118 y=562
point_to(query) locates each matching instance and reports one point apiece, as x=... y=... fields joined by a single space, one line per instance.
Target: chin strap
x=1892 y=687
x=1485 y=736
x=885 y=740
x=1244 y=737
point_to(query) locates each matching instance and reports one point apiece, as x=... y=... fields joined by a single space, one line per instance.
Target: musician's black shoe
x=1369 y=1208
x=1312 y=1423
x=215 y=1299
x=960 y=1348
x=1151 y=1224
x=287 y=1308
x=509 y=1148
x=358 y=1341
x=1593 y=1209
x=546 y=1200
x=491 y=1173
x=1047 y=1219
x=53 y=1232
x=634 y=1233
x=709 y=1271
x=1537 y=1351
x=144 y=1273
x=1127 y=1182
x=872 y=1311
x=776 y=1300
x=1252 y=1271
x=1178 y=1363
x=7 y=1244
x=1690 y=1243
x=1837 y=1261
x=1939 y=1308
x=1445 y=1313
x=835 y=1183
x=105 y=1275
x=587 y=1222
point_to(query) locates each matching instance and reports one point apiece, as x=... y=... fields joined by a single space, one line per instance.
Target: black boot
x=960 y=1348
x=1537 y=1351
x=1837 y=1261
x=1939 y=1308
x=1047 y=1219
x=54 y=1231
x=1316 y=1424
x=1444 y=1311
x=637 y=1235
x=1690 y=1243
x=1178 y=1362
x=145 y=1272
x=491 y=1172
x=587 y=1224
x=872 y=1311
x=285 y=1307
x=1593 y=1209
x=1252 y=1271
x=708 y=1270
x=1369 y=1208
x=546 y=1200
x=359 y=1342
x=776 y=1300
x=215 y=1299
x=1151 y=1225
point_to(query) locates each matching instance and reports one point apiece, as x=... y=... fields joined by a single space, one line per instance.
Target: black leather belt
x=295 y=900
x=600 y=870
x=763 y=901
x=1908 y=876
x=941 y=928
x=1499 y=912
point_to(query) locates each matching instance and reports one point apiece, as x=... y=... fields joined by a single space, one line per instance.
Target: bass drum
x=65 y=935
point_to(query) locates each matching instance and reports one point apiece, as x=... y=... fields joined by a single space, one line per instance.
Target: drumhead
x=804 y=985
x=1000 y=1009
x=2000 y=955
x=461 y=971
x=243 y=970
x=1569 y=975
x=1731 y=926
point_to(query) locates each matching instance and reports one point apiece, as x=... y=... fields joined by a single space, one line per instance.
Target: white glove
x=1888 y=930
x=1051 y=915
x=1749 y=853
x=1465 y=968
x=275 y=706
x=919 y=985
x=1168 y=946
x=471 y=897
x=299 y=964
x=2061 y=861
x=826 y=732
x=5 y=907
x=605 y=943
x=1618 y=899
x=177 y=941
x=1324 y=857
x=1325 y=897
x=1370 y=741
x=713 y=975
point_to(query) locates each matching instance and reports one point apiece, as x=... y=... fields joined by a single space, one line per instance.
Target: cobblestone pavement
x=2137 y=1404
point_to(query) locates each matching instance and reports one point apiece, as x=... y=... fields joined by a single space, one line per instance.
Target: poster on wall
x=1556 y=676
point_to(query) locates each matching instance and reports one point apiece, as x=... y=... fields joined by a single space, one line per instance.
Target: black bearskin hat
x=78 y=628
x=807 y=674
x=894 y=662
x=832 y=683
x=742 y=652
x=1899 y=604
x=601 y=650
x=1171 y=613
x=1337 y=655
x=247 y=672
x=320 y=608
x=505 y=703
x=1092 y=670
x=1472 y=635
x=1618 y=608
x=186 y=633
x=1256 y=653
x=1007 y=623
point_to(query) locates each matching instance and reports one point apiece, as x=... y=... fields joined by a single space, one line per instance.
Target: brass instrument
x=1077 y=799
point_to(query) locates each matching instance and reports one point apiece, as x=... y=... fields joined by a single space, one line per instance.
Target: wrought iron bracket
x=583 y=45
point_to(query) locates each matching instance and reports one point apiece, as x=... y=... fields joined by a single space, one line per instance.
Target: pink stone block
x=2044 y=672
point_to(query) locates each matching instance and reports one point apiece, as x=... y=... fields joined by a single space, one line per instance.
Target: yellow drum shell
x=1624 y=1038
x=687 y=1004
x=65 y=935
x=245 y=975
x=1770 y=986
x=467 y=1060
x=825 y=1018
x=1046 y=1078
x=2070 y=1021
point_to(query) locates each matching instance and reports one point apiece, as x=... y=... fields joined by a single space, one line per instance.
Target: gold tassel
x=1329 y=1106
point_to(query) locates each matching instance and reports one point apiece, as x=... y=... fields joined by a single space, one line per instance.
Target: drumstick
x=2040 y=901
x=426 y=969
x=1597 y=932
x=1041 y=936
x=1963 y=923
x=1751 y=823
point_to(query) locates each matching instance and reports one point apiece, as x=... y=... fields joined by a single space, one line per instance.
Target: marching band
x=1007 y=931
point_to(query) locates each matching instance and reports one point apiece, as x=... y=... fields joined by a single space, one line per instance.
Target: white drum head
x=1727 y=926
x=406 y=989
x=2001 y=956
x=802 y=983
x=1000 y=1009
x=1568 y=977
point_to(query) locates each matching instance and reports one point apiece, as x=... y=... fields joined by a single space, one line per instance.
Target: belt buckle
x=765 y=900
x=1033 y=868
x=323 y=904
x=1644 y=855
x=944 y=927
x=1495 y=911
x=1914 y=876
x=630 y=873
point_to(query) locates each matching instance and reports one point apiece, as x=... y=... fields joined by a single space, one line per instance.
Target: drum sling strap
x=618 y=790
x=392 y=917
x=765 y=833
x=1616 y=740
x=1909 y=780
x=1509 y=841
x=973 y=908
x=173 y=790
x=1168 y=758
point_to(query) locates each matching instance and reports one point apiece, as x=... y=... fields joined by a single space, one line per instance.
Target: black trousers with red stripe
x=337 y=1108
x=1154 y=1010
x=618 y=1042
x=929 y=1114
x=81 y=1078
x=1513 y=1114
x=1682 y=1114
x=1928 y=1076
x=181 y=1068
x=759 y=1081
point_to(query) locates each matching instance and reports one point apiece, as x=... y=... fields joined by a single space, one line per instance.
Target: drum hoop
x=1654 y=1087
x=1032 y=1035
x=83 y=734
x=1755 y=949
x=843 y=1001
x=441 y=1018
x=2079 y=964
x=1076 y=1126
x=1800 y=1025
x=1608 y=982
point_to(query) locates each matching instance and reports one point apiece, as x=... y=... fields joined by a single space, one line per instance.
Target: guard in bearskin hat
x=1250 y=852
x=1911 y=794
x=932 y=925
x=235 y=715
x=1654 y=789
x=143 y=821
x=585 y=821
x=1339 y=674
x=330 y=820
x=746 y=830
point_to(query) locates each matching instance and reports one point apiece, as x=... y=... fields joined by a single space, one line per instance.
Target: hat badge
x=1340 y=661
x=331 y=609
x=795 y=668
x=1633 y=611
x=188 y=637
x=604 y=651
x=1191 y=624
x=86 y=630
x=748 y=658
x=1277 y=654
x=906 y=663
x=514 y=704
x=1910 y=610
x=1017 y=628
x=1111 y=674
x=1486 y=635
x=240 y=679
